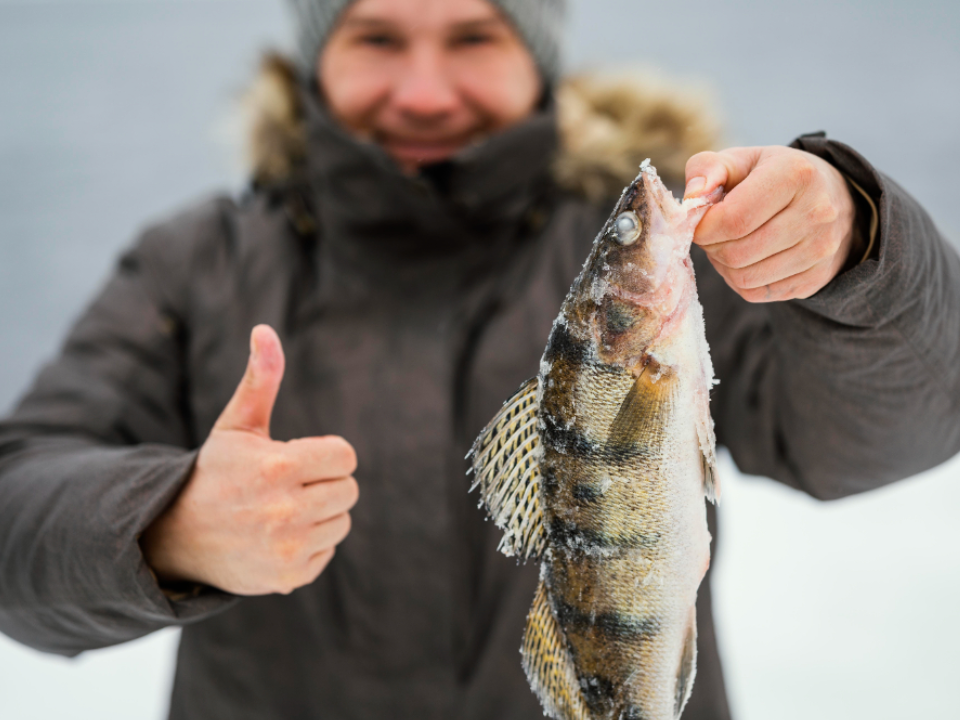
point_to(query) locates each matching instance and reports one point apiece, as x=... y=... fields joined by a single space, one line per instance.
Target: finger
x=330 y=533
x=252 y=403
x=768 y=189
x=304 y=573
x=781 y=232
x=330 y=498
x=321 y=458
x=802 y=285
x=792 y=261
x=707 y=171
x=318 y=563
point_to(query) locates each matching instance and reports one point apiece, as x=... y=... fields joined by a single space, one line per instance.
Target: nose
x=425 y=90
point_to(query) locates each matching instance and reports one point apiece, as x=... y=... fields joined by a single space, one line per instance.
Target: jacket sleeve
x=94 y=452
x=858 y=385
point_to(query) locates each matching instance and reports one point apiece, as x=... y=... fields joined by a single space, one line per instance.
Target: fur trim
x=273 y=114
x=608 y=126
x=611 y=124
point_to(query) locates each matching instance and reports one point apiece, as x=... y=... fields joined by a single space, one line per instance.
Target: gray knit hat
x=540 y=23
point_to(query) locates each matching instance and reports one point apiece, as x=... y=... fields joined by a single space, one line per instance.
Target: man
x=414 y=227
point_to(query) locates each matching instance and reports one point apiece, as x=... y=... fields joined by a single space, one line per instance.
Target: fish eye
x=627 y=227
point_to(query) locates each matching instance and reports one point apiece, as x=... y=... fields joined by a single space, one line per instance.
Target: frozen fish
x=598 y=468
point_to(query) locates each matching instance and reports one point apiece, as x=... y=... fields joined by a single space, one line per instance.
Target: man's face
x=424 y=78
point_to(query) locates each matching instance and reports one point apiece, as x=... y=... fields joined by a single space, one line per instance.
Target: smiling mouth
x=423 y=151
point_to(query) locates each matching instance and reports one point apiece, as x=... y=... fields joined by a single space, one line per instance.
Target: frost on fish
x=598 y=468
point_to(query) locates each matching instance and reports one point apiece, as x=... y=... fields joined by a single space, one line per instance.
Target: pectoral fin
x=505 y=463
x=711 y=481
x=639 y=420
x=688 y=667
x=547 y=662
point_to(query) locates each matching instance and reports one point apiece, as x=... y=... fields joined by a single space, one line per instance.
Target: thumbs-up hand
x=256 y=516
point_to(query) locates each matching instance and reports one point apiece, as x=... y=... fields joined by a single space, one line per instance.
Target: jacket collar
x=361 y=195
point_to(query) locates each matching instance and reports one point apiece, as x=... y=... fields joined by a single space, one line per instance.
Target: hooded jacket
x=409 y=309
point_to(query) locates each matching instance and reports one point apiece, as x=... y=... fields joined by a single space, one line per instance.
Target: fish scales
x=598 y=468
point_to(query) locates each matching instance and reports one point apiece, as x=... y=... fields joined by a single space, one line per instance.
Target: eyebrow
x=367 y=23
x=481 y=24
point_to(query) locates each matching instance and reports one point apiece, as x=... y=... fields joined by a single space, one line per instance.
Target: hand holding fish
x=256 y=516
x=786 y=226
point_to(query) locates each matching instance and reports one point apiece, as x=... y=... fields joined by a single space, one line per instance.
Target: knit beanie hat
x=539 y=22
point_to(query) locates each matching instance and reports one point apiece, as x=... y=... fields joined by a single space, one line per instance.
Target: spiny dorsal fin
x=505 y=464
x=547 y=662
x=688 y=667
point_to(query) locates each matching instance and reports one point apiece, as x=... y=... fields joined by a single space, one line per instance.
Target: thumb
x=252 y=402
x=707 y=171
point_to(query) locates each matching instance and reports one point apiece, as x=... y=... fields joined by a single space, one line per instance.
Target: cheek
x=624 y=330
x=505 y=87
x=354 y=87
x=661 y=249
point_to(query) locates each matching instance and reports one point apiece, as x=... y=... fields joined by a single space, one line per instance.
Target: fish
x=598 y=468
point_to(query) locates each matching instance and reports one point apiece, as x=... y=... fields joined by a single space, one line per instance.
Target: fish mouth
x=677 y=215
x=656 y=195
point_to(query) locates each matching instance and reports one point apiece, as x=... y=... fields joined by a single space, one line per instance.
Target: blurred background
x=116 y=112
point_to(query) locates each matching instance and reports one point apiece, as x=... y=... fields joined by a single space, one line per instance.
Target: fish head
x=640 y=273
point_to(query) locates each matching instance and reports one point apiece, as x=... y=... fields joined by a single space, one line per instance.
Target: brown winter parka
x=409 y=309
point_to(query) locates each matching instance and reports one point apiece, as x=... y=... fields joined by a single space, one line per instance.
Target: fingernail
x=254 y=349
x=694 y=186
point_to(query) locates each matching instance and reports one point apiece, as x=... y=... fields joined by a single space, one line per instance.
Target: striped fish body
x=598 y=467
x=627 y=541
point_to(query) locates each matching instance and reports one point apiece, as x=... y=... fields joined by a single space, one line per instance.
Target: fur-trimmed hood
x=608 y=125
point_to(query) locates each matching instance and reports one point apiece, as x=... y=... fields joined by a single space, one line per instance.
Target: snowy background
x=116 y=112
